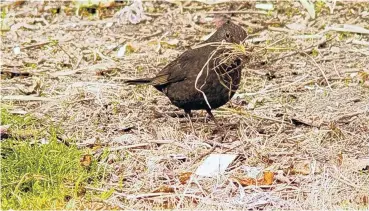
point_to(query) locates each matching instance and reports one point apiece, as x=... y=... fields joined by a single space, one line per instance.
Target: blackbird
x=205 y=77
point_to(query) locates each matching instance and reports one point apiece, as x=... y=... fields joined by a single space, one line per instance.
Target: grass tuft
x=38 y=175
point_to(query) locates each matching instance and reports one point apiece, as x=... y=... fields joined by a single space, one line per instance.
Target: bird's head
x=229 y=32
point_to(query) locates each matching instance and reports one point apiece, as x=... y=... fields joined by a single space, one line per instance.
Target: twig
x=36 y=45
x=151 y=35
x=25 y=98
x=72 y=58
x=78 y=62
x=238 y=12
x=14 y=72
x=129 y=147
x=279 y=29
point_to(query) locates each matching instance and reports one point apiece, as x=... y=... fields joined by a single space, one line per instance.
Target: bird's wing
x=178 y=69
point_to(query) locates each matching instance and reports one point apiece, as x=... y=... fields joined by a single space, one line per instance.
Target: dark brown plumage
x=205 y=77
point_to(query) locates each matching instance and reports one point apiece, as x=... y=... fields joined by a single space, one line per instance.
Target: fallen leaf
x=164 y=189
x=262 y=6
x=305 y=168
x=309 y=6
x=246 y=181
x=365 y=200
x=268 y=178
x=215 y=164
x=340 y=159
x=86 y=160
x=184 y=177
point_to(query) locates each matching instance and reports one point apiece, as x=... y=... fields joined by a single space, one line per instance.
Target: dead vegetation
x=301 y=111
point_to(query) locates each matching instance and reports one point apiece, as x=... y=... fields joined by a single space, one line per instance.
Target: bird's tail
x=138 y=81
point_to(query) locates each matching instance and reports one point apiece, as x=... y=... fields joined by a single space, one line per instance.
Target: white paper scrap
x=215 y=164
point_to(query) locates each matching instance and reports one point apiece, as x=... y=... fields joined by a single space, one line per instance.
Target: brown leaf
x=267 y=179
x=340 y=159
x=86 y=160
x=365 y=200
x=184 y=177
x=305 y=168
x=246 y=181
x=164 y=189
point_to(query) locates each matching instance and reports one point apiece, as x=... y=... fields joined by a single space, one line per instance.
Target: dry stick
x=78 y=62
x=237 y=12
x=25 y=98
x=151 y=35
x=199 y=75
x=128 y=147
x=36 y=45
x=72 y=58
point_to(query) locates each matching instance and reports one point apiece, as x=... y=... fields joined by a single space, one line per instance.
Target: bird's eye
x=228 y=35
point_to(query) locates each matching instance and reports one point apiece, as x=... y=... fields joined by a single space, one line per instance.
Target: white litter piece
x=109 y=24
x=18 y=111
x=133 y=13
x=309 y=6
x=215 y=164
x=348 y=28
x=44 y=141
x=122 y=51
x=16 y=50
x=264 y=6
x=253 y=172
x=296 y=26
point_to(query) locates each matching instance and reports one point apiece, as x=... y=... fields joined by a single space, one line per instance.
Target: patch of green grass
x=38 y=175
x=344 y=35
x=320 y=6
x=315 y=52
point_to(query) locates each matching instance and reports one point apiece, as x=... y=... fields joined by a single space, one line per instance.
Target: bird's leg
x=213 y=118
x=189 y=115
